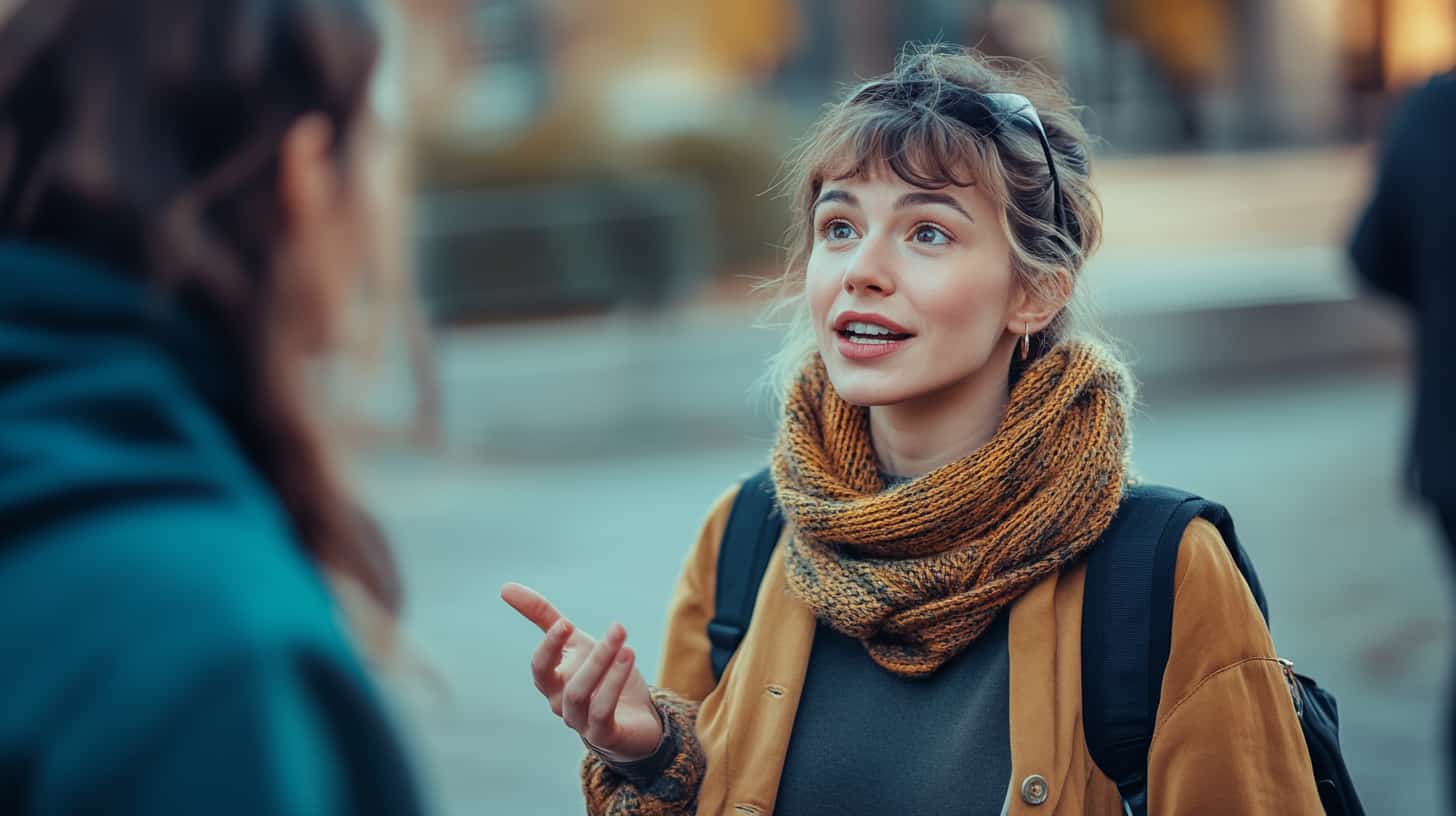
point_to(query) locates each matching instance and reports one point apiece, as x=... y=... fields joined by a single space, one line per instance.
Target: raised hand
x=592 y=685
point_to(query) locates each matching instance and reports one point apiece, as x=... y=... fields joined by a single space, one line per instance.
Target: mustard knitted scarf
x=918 y=571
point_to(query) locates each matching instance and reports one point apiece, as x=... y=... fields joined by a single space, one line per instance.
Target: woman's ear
x=308 y=176
x=314 y=260
x=1035 y=308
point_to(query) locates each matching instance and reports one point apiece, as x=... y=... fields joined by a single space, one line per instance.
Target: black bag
x=754 y=526
x=1127 y=625
x=1127 y=619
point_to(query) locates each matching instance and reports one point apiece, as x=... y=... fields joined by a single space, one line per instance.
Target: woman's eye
x=934 y=236
x=840 y=231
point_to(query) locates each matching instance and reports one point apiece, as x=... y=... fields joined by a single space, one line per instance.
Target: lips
x=878 y=325
x=867 y=336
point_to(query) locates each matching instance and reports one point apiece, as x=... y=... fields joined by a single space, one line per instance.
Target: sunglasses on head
x=984 y=113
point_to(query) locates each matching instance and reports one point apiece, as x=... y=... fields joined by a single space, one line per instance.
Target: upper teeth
x=867 y=328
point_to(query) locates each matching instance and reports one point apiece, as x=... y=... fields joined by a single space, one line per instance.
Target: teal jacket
x=165 y=647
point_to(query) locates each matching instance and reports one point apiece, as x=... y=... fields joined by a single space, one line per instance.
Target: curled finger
x=602 y=712
x=576 y=697
x=546 y=660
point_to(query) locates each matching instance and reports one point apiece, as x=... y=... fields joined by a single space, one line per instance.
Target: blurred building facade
x=596 y=151
x=1197 y=74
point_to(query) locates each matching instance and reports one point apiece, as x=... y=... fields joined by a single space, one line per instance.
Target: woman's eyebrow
x=835 y=195
x=914 y=199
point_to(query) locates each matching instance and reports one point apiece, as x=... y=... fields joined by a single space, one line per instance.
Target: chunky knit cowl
x=919 y=570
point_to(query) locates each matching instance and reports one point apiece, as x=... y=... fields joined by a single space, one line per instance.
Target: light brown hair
x=913 y=136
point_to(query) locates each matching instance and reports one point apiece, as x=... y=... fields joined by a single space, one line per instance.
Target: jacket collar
x=75 y=301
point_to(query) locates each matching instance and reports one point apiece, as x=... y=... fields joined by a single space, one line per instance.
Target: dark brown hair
x=147 y=133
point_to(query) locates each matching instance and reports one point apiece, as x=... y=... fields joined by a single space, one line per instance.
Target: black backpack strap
x=1127 y=626
x=754 y=525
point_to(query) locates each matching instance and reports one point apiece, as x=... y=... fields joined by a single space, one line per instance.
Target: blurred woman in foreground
x=190 y=193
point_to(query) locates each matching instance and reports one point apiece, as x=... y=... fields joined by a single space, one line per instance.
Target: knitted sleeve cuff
x=643 y=772
x=664 y=784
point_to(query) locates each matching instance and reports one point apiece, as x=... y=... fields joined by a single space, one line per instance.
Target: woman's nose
x=870 y=272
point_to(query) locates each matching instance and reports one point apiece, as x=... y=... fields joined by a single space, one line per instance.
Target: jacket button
x=1034 y=789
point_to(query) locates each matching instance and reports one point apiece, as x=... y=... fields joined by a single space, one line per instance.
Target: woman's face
x=910 y=290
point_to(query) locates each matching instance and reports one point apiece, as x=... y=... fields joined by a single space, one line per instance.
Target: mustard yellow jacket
x=1227 y=739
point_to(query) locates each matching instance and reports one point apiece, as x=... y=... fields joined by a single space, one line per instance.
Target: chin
x=871 y=388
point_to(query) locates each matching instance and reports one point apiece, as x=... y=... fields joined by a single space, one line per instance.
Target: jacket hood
x=110 y=395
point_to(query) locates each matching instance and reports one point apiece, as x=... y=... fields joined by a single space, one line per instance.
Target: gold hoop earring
x=1025 y=340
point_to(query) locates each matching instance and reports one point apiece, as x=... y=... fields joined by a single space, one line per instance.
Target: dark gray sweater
x=870 y=742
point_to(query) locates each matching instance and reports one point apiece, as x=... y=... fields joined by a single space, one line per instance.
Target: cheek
x=971 y=308
x=821 y=286
x=963 y=303
x=371 y=229
x=383 y=217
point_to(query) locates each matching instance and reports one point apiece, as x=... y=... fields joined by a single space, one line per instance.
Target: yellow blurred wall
x=1420 y=39
x=1190 y=38
x=733 y=38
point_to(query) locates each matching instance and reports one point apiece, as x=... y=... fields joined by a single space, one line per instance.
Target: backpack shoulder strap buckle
x=1287 y=666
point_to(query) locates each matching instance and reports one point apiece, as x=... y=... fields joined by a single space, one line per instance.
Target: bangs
x=920 y=146
x=935 y=122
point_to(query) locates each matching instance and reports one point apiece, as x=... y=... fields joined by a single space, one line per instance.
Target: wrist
x=616 y=758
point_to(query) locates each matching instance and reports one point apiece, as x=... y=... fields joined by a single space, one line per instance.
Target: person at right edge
x=1402 y=247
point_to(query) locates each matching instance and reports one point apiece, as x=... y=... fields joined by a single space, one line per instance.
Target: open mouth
x=871 y=334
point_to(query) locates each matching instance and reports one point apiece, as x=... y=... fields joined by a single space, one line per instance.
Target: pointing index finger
x=531 y=605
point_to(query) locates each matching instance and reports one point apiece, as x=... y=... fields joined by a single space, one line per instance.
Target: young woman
x=188 y=194
x=951 y=445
